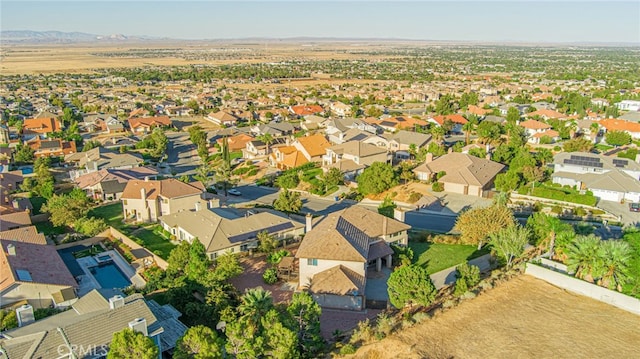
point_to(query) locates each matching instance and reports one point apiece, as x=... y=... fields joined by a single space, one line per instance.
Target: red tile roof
x=534 y=125
x=42 y=125
x=614 y=124
x=455 y=118
x=303 y=110
x=149 y=121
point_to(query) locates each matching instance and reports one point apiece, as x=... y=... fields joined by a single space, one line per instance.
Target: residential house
x=86 y=330
x=601 y=102
x=178 y=111
x=396 y=123
x=9 y=182
x=633 y=116
x=305 y=110
x=32 y=272
x=313 y=122
x=495 y=119
x=148 y=200
x=536 y=130
x=400 y=142
x=612 y=124
x=547 y=114
x=457 y=120
x=108 y=184
x=103 y=123
x=33 y=127
x=478 y=111
x=52 y=147
x=312 y=147
x=222 y=118
x=609 y=178
x=286 y=157
x=337 y=129
x=101 y=158
x=464 y=174
x=236 y=142
x=354 y=156
x=9 y=221
x=340 y=109
x=222 y=231
x=628 y=105
x=334 y=256
x=274 y=128
x=144 y=125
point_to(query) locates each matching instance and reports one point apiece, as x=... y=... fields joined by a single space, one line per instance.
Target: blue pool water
x=110 y=276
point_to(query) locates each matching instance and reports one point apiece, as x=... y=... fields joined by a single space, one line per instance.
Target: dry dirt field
x=523 y=318
x=81 y=58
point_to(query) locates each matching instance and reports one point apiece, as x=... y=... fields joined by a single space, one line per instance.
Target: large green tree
x=477 y=224
x=510 y=242
x=66 y=209
x=410 y=285
x=131 y=344
x=288 y=201
x=199 y=342
x=377 y=178
x=617 y=138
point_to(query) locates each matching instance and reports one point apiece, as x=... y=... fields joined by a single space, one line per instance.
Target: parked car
x=634 y=207
x=234 y=192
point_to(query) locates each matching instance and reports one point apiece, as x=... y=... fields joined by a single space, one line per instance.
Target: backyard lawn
x=111 y=213
x=148 y=237
x=436 y=257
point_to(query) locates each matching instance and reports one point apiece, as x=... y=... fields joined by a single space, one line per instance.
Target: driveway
x=622 y=211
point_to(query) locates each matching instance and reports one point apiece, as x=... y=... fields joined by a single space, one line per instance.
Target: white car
x=234 y=192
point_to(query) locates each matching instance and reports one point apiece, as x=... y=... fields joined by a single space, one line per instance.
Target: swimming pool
x=110 y=276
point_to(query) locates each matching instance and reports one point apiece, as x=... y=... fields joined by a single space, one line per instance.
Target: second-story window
x=312 y=261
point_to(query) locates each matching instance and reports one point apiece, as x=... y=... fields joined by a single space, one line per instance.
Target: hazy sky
x=516 y=20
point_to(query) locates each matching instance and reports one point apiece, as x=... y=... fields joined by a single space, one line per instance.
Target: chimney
x=385 y=223
x=214 y=203
x=25 y=315
x=309 y=223
x=116 y=301
x=143 y=193
x=11 y=249
x=146 y=178
x=139 y=325
x=398 y=214
x=197 y=206
x=429 y=157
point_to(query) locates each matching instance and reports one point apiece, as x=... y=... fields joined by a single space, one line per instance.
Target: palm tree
x=467 y=128
x=615 y=257
x=437 y=133
x=255 y=303
x=583 y=258
x=267 y=139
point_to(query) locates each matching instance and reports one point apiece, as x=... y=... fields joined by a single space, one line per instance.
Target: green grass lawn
x=111 y=213
x=603 y=147
x=147 y=237
x=48 y=228
x=436 y=257
x=152 y=240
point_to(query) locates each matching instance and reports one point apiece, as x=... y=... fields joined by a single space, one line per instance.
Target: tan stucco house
x=147 y=200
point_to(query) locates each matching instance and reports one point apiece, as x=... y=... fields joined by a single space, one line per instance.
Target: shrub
x=556 y=209
x=276 y=257
x=270 y=276
x=362 y=333
x=385 y=324
x=414 y=197
x=537 y=206
x=437 y=187
x=347 y=349
x=579 y=211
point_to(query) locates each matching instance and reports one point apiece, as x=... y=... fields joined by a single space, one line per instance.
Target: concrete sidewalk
x=448 y=276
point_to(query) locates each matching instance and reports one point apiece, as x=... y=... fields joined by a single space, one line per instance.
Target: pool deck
x=87 y=282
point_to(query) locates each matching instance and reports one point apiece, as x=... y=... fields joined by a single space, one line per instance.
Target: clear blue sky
x=516 y=20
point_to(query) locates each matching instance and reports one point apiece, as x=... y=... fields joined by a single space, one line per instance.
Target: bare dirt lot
x=523 y=318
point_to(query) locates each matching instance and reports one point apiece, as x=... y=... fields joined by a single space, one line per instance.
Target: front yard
x=437 y=256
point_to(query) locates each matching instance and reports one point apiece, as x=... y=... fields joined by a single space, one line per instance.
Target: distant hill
x=57 y=37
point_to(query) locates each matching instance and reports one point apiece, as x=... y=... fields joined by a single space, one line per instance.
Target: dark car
x=634 y=207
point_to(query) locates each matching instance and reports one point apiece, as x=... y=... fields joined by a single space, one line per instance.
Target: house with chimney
x=338 y=254
x=148 y=200
x=86 y=330
x=463 y=173
x=222 y=231
x=32 y=272
x=108 y=184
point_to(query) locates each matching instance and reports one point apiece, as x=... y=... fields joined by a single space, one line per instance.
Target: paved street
x=182 y=156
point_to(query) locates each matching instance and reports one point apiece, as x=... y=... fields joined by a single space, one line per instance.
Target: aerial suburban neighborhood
x=301 y=199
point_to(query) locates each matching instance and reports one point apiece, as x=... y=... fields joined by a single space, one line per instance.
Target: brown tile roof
x=347 y=235
x=168 y=188
x=476 y=110
x=338 y=280
x=149 y=121
x=534 y=125
x=546 y=113
x=42 y=125
x=612 y=124
x=550 y=133
x=103 y=175
x=237 y=142
x=303 y=110
x=27 y=234
x=41 y=261
x=315 y=145
x=13 y=220
x=455 y=118
x=462 y=168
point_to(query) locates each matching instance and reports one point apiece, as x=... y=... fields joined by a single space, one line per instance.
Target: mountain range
x=52 y=37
